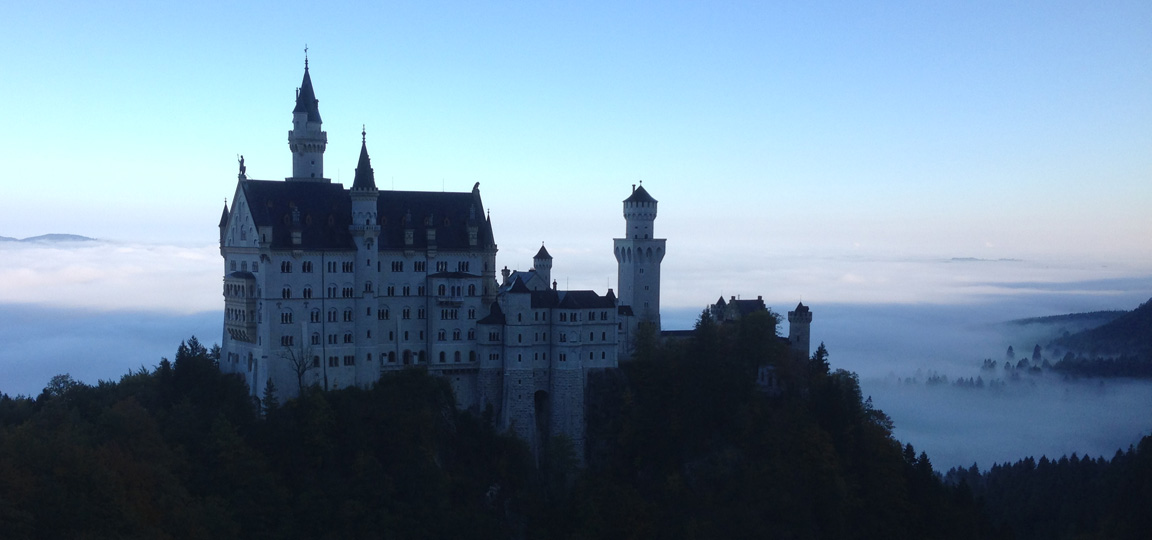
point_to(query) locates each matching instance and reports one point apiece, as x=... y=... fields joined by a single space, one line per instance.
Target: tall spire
x=365 y=179
x=307 y=140
x=306 y=97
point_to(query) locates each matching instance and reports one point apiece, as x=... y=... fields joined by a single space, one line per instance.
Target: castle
x=334 y=287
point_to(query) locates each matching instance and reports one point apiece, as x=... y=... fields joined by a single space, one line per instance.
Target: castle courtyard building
x=332 y=286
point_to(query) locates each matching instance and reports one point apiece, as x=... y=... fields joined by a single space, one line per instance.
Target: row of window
x=349 y=266
x=235 y=289
x=390 y=356
x=349 y=292
x=563 y=357
x=244 y=266
x=442 y=335
x=565 y=316
x=236 y=315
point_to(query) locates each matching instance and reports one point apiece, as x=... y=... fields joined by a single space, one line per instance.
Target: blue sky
x=842 y=153
x=871 y=131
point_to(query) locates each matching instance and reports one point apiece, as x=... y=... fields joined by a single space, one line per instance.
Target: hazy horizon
x=912 y=171
x=98 y=309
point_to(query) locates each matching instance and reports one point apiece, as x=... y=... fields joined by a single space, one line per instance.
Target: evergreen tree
x=269 y=402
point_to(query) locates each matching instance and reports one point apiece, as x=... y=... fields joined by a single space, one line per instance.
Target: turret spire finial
x=363 y=134
x=305 y=57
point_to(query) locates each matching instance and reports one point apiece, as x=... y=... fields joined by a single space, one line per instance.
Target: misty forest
x=682 y=443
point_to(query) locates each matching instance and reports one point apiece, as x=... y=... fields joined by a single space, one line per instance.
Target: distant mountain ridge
x=1128 y=334
x=1090 y=319
x=49 y=238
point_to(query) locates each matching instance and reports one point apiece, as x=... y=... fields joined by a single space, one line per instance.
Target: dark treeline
x=1071 y=497
x=183 y=452
x=681 y=444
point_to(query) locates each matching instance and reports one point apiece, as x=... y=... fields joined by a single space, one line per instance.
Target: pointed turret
x=306 y=101
x=542 y=264
x=307 y=140
x=364 y=180
x=543 y=253
x=223 y=223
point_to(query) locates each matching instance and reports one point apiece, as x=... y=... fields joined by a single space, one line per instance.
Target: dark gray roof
x=242 y=275
x=518 y=286
x=364 y=178
x=801 y=307
x=449 y=213
x=542 y=254
x=584 y=300
x=224 y=216
x=640 y=195
x=545 y=299
x=452 y=275
x=624 y=310
x=306 y=99
x=326 y=212
x=745 y=307
x=496 y=316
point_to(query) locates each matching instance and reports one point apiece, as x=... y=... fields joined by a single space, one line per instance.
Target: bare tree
x=300 y=360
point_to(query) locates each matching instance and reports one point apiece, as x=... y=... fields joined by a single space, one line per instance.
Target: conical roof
x=640 y=195
x=306 y=99
x=542 y=254
x=364 y=177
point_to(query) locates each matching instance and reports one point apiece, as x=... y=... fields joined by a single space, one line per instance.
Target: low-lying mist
x=99 y=309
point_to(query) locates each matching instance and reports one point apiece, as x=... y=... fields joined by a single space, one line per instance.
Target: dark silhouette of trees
x=681 y=443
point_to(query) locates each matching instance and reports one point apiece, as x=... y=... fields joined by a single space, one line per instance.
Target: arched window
x=442 y=357
x=456 y=357
x=441 y=290
x=286 y=293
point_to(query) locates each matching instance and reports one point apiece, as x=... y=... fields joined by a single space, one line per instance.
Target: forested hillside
x=681 y=444
x=1129 y=334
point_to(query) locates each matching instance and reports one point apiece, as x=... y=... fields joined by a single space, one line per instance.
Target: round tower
x=799 y=329
x=542 y=263
x=306 y=140
x=638 y=256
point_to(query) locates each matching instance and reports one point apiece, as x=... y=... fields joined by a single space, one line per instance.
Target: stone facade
x=333 y=287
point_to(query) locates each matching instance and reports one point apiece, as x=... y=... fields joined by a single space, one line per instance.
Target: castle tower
x=799 y=329
x=638 y=255
x=306 y=139
x=365 y=231
x=542 y=264
x=364 y=227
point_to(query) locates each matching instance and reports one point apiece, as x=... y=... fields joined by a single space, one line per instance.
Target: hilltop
x=49 y=238
x=1127 y=334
